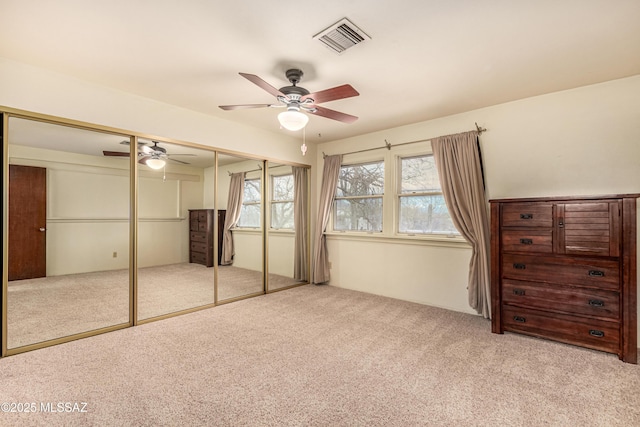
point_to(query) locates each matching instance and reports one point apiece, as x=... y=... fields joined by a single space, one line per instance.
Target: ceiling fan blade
x=338 y=92
x=335 y=115
x=115 y=153
x=178 y=154
x=264 y=85
x=143 y=160
x=237 y=107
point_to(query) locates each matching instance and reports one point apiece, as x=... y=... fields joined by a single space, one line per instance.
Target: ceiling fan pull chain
x=303 y=148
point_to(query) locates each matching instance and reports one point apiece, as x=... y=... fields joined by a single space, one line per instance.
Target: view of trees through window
x=418 y=202
x=250 y=213
x=282 y=192
x=421 y=206
x=358 y=203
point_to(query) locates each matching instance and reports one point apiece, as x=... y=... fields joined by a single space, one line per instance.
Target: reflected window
x=250 y=213
x=282 y=202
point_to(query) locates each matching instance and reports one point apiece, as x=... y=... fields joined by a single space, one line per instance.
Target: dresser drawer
x=198 y=258
x=198 y=236
x=193 y=215
x=544 y=296
x=591 y=333
x=199 y=247
x=527 y=215
x=529 y=241
x=202 y=216
x=599 y=273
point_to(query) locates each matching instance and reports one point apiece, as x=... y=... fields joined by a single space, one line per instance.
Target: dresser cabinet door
x=589 y=228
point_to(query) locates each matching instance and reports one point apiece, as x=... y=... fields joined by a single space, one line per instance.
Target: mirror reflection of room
x=288 y=226
x=68 y=217
x=175 y=228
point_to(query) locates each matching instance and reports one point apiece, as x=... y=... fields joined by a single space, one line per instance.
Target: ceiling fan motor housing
x=294 y=92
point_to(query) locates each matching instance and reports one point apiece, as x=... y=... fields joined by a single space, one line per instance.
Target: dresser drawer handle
x=596 y=333
x=519 y=266
x=526 y=216
x=519 y=292
x=596 y=303
x=526 y=241
x=596 y=273
x=519 y=319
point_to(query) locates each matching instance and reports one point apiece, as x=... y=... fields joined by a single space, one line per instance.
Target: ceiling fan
x=153 y=156
x=297 y=99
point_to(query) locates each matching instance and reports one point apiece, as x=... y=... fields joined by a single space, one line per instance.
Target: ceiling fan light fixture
x=155 y=163
x=293 y=120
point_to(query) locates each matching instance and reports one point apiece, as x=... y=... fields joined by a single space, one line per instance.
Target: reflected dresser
x=201 y=238
x=565 y=269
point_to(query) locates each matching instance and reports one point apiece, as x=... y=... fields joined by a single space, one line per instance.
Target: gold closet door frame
x=7 y=112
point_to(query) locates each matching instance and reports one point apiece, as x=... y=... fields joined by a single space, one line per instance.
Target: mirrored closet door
x=240 y=200
x=288 y=228
x=175 y=228
x=68 y=232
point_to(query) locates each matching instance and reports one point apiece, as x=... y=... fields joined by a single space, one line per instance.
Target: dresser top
x=567 y=198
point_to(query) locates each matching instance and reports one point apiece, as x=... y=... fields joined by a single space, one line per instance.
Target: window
x=421 y=206
x=358 y=202
x=250 y=212
x=282 y=202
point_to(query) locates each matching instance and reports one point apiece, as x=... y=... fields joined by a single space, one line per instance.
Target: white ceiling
x=426 y=58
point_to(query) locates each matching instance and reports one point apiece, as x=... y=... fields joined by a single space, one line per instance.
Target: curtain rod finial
x=480 y=129
x=388 y=144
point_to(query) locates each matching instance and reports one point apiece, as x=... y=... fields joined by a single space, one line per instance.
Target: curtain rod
x=259 y=169
x=388 y=144
x=253 y=170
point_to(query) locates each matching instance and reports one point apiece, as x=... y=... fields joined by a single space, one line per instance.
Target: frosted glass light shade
x=155 y=163
x=293 y=120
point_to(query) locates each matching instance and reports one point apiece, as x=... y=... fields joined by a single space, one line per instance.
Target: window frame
x=399 y=195
x=252 y=203
x=273 y=202
x=391 y=201
x=361 y=197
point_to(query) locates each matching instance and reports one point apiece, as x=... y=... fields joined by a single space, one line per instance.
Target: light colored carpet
x=322 y=356
x=53 y=307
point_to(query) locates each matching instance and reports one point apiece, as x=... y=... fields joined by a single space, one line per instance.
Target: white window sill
x=403 y=239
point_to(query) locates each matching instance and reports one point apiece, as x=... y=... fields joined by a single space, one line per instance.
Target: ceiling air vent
x=341 y=36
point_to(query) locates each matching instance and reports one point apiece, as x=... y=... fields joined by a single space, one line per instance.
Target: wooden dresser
x=565 y=269
x=201 y=235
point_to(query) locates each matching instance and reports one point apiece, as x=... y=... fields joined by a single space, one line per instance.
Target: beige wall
x=584 y=141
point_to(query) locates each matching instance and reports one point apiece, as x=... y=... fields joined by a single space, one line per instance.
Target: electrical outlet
x=115 y=254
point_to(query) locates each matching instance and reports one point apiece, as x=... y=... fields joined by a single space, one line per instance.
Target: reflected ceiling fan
x=153 y=156
x=298 y=99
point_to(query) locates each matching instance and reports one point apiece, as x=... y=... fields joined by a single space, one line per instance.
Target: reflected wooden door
x=27 y=222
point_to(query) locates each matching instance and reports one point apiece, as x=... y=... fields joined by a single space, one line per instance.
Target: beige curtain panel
x=330 y=175
x=458 y=161
x=300 y=223
x=234 y=207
